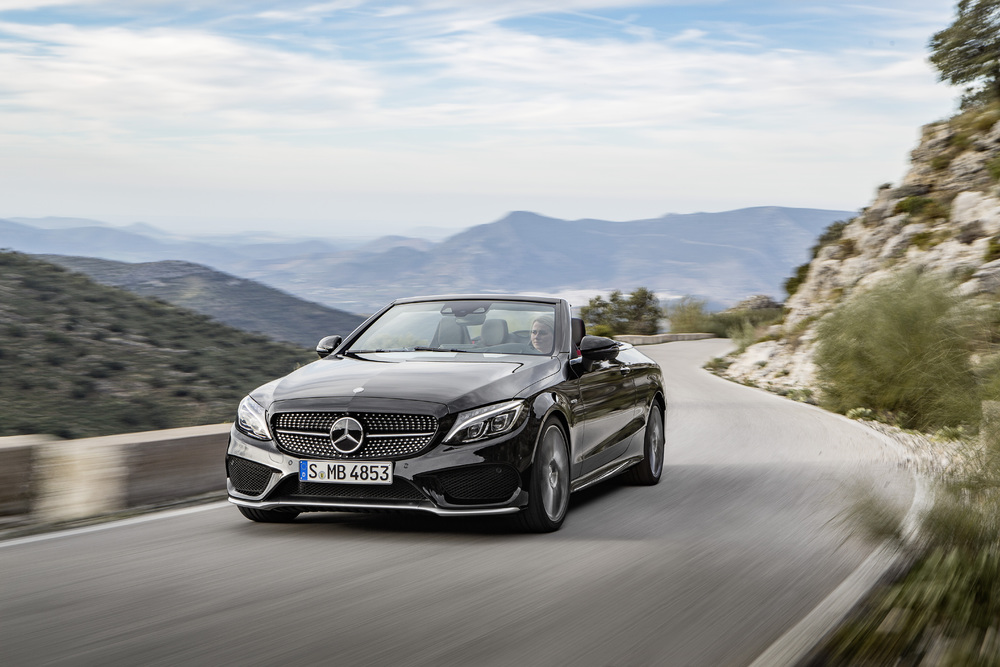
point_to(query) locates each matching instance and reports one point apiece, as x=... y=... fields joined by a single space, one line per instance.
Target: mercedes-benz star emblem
x=347 y=435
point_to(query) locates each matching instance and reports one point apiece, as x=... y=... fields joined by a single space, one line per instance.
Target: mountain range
x=723 y=257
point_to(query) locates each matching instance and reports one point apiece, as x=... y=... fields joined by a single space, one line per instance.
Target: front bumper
x=477 y=480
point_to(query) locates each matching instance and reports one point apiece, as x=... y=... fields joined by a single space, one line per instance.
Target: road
x=742 y=538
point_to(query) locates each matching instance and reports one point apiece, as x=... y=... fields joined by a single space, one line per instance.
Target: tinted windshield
x=502 y=327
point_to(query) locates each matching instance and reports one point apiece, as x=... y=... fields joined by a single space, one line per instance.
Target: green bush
x=922 y=207
x=940 y=162
x=961 y=140
x=718 y=364
x=690 y=315
x=639 y=313
x=993 y=166
x=927 y=239
x=793 y=283
x=831 y=234
x=992 y=250
x=744 y=335
x=901 y=347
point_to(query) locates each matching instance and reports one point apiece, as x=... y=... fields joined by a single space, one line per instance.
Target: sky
x=354 y=118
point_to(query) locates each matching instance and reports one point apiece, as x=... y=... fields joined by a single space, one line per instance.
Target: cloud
x=164 y=79
x=487 y=97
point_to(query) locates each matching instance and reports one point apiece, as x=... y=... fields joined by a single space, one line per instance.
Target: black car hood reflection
x=457 y=382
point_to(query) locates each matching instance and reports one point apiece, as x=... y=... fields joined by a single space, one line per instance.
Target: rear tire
x=548 y=495
x=267 y=516
x=647 y=472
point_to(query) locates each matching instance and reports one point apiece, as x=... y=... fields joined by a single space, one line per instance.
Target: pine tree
x=968 y=51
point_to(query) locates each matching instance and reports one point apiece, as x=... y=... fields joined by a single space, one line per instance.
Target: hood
x=453 y=382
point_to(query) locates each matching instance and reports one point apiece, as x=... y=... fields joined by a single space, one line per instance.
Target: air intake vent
x=479 y=484
x=247 y=476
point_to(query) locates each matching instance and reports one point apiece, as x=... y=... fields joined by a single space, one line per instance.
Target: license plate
x=346 y=472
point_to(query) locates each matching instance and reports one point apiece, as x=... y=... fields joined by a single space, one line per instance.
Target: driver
x=542 y=330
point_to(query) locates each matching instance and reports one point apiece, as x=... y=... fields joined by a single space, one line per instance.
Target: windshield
x=501 y=327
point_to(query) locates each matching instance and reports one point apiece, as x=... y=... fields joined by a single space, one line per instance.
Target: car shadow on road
x=420 y=523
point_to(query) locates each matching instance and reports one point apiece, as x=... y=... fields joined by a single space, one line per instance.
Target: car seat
x=494 y=332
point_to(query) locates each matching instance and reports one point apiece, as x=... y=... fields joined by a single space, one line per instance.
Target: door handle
x=624 y=369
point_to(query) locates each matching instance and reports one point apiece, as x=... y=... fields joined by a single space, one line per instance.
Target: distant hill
x=238 y=302
x=81 y=359
x=723 y=257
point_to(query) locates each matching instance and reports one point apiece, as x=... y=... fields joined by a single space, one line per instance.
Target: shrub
x=985 y=121
x=900 y=347
x=923 y=207
x=718 y=364
x=831 y=234
x=927 y=239
x=793 y=283
x=993 y=166
x=690 y=315
x=992 y=250
x=940 y=162
x=639 y=313
x=744 y=335
x=847 y=248
x=601 y=330
x=960 y=140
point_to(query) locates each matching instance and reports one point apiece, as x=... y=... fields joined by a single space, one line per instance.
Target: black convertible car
x=455 y=405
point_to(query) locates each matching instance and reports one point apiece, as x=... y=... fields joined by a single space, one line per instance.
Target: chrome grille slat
x=388 y=435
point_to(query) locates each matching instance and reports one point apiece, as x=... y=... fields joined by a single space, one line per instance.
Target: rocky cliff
x=944 y=217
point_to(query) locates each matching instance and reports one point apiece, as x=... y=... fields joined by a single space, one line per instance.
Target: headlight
x=486 y=422
x=250 y=419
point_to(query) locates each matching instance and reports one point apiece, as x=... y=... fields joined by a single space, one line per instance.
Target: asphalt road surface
x=742 y=538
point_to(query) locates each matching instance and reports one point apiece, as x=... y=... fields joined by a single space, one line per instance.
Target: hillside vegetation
x=82 y=359
x=244 y=304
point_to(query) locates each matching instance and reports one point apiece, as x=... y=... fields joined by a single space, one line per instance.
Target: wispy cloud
x=388 y=83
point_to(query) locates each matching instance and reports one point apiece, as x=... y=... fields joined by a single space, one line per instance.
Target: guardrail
x=661 y=338
x=48 y=480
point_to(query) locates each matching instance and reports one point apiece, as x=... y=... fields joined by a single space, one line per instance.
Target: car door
x=605 y=408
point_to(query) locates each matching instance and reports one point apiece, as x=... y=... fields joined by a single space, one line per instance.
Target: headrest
x=494 y=332
x=579 y=330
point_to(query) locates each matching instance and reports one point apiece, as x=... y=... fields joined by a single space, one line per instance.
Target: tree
x=968 y=51
x=642 y=312
x=638 y=314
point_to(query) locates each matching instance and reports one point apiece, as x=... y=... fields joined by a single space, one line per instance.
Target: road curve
x=741 y=539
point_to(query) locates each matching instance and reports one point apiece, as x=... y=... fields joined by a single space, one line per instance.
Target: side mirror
x=326 y=346
x=598 y=348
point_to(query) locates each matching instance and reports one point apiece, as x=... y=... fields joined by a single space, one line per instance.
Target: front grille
x=294 y=489
x=388 y=436
x=248 y=476
x=480 y=484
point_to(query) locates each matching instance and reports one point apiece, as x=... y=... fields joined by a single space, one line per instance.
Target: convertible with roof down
x=453 y=405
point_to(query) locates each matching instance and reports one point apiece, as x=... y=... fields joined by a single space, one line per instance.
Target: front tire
x=647 y=472
x=548 y=496
x=267 y=516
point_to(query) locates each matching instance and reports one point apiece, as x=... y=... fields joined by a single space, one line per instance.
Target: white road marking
x=793 y=646
x=154 y=516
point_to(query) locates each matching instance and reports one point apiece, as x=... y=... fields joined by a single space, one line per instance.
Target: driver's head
x=542 y=330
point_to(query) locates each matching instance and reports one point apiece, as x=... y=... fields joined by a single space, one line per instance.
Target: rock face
x=944 y=217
